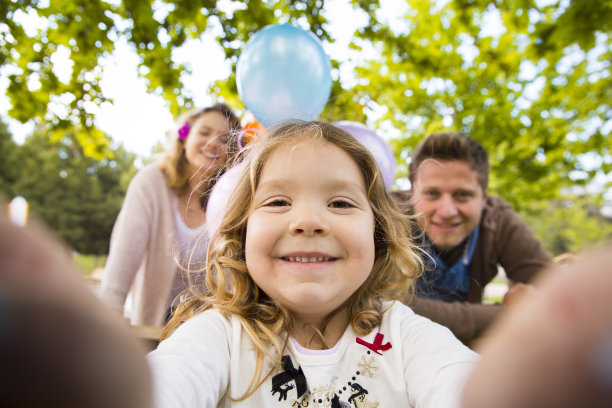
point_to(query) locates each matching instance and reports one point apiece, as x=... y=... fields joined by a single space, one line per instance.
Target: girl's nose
x=308 y=221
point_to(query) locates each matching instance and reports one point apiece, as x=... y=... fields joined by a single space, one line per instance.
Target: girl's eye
x=277 y=203
x=341 y=204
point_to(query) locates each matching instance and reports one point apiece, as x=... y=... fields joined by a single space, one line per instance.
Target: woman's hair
x=174 y=163
x=229 y=287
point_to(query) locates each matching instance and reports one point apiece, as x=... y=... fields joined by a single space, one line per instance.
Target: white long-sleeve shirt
x=211 y=357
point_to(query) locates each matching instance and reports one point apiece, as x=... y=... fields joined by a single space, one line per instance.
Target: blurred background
x=90 y=89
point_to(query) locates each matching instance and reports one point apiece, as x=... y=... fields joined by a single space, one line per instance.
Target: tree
x=536 y=97
x=77 y=196
x=8 y=165
x=534 y=89
x=85 y=31
x=531 y=80
x=574 y=224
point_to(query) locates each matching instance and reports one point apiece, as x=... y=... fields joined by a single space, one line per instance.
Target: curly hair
x=229 y=288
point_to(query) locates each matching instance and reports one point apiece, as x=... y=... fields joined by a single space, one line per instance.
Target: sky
x=139 y=120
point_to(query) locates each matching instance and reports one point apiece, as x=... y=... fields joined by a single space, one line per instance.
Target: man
x=467 y=235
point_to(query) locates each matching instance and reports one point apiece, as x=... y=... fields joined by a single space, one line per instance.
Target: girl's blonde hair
x=229 y=287
x=174 y=163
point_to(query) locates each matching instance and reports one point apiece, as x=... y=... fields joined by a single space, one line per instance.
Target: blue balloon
x=283 y=73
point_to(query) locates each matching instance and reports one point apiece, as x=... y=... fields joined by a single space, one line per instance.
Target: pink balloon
x=376 y=145
x=220 y=196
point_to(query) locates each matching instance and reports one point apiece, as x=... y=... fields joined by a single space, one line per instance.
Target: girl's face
x=206 y=144
x=310 y=233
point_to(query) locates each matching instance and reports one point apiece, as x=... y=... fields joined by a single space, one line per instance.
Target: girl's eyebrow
x=340 y=184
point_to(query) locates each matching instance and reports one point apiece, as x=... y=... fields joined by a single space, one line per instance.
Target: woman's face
x=206 y=144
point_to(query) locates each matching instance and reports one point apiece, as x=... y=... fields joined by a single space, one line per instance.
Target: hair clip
x=183 y=131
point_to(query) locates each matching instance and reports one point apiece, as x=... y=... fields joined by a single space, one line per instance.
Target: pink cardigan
x=142 y=246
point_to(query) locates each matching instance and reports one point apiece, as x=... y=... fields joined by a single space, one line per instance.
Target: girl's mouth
x=308 y=259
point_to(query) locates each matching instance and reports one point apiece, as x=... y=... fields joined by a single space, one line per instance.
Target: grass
x=491 y=300
x=87 y=263
x=494 y=296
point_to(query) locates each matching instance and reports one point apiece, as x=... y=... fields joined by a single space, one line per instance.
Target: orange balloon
x=253 y=130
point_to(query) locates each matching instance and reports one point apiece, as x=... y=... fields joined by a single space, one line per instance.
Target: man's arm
x=520 y=253
x=466 y=320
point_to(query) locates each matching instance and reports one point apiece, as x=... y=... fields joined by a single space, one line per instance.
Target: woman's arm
x=129 y=239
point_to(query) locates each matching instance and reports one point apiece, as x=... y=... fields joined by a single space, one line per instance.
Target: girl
x=298 y=307
x=163 y=211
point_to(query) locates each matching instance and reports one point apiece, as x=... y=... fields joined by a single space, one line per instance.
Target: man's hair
x=452 y=146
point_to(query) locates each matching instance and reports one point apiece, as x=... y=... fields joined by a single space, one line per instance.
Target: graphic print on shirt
x=358 y=397
x=377 y=345
x=291 y=384
x=288 y=379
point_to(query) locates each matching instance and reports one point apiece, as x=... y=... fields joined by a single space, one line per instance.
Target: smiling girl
x=298 y=305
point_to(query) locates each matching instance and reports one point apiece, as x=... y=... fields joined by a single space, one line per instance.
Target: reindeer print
x=358 y=398
x=282 y=382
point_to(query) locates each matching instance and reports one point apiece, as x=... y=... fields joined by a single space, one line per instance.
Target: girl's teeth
x=307 y=259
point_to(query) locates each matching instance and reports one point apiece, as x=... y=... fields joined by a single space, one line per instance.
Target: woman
x=163 y=212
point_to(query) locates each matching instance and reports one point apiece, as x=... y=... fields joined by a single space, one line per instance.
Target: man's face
x=448 y=200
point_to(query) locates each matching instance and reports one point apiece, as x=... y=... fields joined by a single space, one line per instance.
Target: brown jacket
x=504 y=240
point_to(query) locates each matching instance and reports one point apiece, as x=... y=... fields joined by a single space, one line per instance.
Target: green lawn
x=496 y=296
x=87 y=263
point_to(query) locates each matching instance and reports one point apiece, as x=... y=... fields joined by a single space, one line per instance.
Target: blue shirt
x=447 y=283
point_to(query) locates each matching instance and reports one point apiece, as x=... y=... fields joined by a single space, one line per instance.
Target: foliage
x=535 y=99
x=88 y=263
x=75 y=195
x=573 y=225
x=533 y=85
x=530 y=79
x=84 y=32
x=8 y=168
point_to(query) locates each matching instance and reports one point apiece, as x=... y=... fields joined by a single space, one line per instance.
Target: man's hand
x=517 y=292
